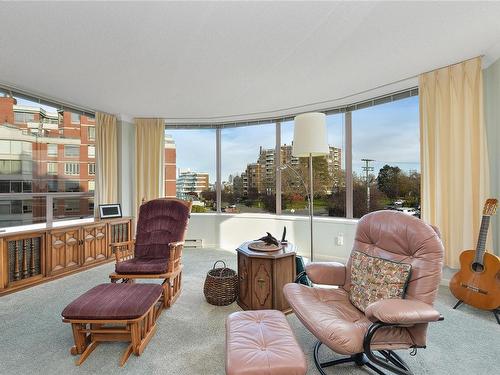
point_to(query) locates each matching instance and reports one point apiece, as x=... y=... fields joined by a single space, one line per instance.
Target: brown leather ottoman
x=261 y=342
x=114 y=312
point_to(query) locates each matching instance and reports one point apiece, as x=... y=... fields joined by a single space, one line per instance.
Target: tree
x=208 y=195
x=389 y=181
x=322 y=180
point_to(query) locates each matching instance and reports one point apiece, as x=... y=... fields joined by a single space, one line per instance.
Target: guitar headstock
x=490 y=207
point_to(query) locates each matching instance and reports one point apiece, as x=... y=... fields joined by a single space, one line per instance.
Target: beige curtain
x=454 y=159
x=149 y=160
x=106 y=189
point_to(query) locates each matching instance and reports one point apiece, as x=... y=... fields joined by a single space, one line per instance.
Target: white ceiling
x=219 y=61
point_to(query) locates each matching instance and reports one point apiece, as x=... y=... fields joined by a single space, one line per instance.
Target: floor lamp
x=310 y=140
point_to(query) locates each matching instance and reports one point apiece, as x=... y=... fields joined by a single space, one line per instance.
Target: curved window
x=385 y=158
x=248 y=169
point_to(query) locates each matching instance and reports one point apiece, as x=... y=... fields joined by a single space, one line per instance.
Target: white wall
x=491 y=77
x=227 y=231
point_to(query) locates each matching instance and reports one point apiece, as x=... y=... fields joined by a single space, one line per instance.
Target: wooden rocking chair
x=156 y=251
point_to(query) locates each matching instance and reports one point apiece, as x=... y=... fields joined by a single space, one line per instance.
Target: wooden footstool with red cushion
x=114 y=312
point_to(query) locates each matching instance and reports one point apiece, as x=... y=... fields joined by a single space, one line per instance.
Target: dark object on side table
x=301 y=277
x=283 y=236
x=269 y=239
x=221 y=285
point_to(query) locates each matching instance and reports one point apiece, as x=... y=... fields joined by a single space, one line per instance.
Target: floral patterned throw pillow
x=373 y=279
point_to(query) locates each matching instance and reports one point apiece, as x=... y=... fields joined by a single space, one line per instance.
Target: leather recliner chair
x=386 y=325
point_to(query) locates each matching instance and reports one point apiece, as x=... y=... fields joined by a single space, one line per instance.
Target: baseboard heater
x=193 y=243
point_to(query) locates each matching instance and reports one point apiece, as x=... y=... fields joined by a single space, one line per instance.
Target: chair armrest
x=326 y=273
x=174 y=259
x=401 y=311
x=123 y=250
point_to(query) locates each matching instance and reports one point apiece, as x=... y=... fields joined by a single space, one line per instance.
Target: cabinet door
x=283 y=273
x=63 y=247
x=94 y=243
x=262 y=294
x=244 y=296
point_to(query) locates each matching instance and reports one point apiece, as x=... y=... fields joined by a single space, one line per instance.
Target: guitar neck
x=481 y=241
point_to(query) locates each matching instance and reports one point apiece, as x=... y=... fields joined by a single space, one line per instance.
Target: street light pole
x=367 y=168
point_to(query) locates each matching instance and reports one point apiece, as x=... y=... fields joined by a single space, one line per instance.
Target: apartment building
x=260 y=177
x=45 y=151
x=190 y=184
x=170 y=167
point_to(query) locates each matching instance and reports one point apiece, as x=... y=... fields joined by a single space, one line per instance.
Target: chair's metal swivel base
x=361 y=359
x=388 y=359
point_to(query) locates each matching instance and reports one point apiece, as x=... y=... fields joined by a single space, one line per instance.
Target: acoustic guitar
x=478 y=281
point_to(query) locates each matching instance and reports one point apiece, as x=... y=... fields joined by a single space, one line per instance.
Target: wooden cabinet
x=63 y=250
x=262 y=277
x=34 y=256
x=95 y=245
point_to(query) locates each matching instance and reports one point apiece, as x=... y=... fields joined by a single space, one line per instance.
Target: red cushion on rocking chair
x=142 y=266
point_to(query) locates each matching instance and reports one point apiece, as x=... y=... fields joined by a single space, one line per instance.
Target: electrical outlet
x=340 y=239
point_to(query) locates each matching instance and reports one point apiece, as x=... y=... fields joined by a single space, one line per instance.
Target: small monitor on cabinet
x=110 y=211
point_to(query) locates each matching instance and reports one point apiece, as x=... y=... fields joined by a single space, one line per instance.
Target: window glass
x=91 y=151
x=16 y=147
x=51 y=149
x=5 y=167
x=328 y=173
x=16 y=207
x=91 y=168
x=71 y=151
x=52 y=168
x=248 y=169
x=15 y=166
x=91 y=133
x=4 y=207
x=386 y=152
x=75 y=118
x=4 y=187
x=19 y=117
x=4 y=147
x=16 y=187
x=71 y=186
x=190 y=167
x=27 y=187
x=25 y=165
x=27 y=207
x=71 y=169
x=52 y=186
x=91 y=185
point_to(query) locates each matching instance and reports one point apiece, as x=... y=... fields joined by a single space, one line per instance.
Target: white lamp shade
x=309 y=135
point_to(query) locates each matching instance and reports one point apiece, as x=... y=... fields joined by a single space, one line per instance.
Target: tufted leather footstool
x=262 y=342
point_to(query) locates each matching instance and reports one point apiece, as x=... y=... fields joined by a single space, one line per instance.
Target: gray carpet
x=190 y=336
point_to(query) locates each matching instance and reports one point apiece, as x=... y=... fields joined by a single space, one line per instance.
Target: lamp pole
x=309 y=195
x=311 y=202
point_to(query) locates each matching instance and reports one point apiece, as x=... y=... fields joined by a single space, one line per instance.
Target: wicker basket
x=221 y=285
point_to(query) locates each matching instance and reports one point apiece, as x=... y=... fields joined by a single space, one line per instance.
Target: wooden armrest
x=123 y=250
x=175 y=255
x=176 y=244
x=120 y=244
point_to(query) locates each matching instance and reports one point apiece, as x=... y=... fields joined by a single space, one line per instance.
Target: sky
x=387 y=133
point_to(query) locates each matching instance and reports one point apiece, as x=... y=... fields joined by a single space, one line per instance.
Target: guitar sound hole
x=477 y=267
